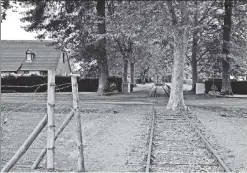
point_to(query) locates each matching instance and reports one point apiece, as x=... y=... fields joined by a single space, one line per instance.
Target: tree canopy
x=154 y=35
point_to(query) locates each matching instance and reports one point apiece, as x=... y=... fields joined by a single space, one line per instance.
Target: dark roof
x=14 y=55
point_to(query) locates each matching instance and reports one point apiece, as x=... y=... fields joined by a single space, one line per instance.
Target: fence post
x=51 y=120
x=0 y=86
x=80 y=163
x=59 y=131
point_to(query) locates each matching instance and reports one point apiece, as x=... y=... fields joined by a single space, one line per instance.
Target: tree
x=102 y=60
x=161 y=59
x=143 y=61
x=5 y=4
x=181 y=31
x=206 y=44
x=226 y=82
x=123 y=33
x=125 y=47
x=74 y=26
x=204 y=25
x=238 y=42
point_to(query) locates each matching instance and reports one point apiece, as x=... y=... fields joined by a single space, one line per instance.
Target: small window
x=29 y=55
x=43 y=73
x=26 y=72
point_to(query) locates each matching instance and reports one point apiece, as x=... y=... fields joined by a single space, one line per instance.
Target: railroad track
x=176 y=145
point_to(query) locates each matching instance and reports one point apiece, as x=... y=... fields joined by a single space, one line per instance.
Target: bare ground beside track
x=111 y=133
x=223 y=120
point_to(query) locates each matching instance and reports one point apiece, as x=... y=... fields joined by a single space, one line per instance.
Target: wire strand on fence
x=59 y=89
x=19 y=86
x=63 y=84
x=21 y=106
x=38 y=86
x=28 y=100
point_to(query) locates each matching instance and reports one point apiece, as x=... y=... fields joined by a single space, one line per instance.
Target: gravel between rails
x=178 y=148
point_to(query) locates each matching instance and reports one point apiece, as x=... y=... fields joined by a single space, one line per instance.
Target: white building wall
x=34 y=72
x=20 y=72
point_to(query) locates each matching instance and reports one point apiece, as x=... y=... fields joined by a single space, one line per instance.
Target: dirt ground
x=115 y=134
x=112 y=134
x=226 y=131
x=110 y=140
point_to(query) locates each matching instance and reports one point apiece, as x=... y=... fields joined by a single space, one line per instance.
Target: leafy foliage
x=5 y=4
x=147 y=27
x=208 y=22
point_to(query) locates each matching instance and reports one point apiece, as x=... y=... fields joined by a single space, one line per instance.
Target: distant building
x=33 y=57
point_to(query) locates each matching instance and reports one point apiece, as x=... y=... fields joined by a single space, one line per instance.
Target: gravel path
x=111 y=139
x=228 y=135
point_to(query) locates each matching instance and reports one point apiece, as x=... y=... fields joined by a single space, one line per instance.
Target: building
x=33 y=57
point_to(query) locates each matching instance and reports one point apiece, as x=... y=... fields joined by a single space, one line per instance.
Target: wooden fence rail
x=49 y=119
x=59 y=131
x=25 y=145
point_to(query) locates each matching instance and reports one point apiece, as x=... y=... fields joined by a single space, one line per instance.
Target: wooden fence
x=49 y=119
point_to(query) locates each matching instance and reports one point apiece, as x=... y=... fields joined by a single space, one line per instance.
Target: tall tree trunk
x=103 y=75
x=132 y=73
x=125 y=71
x=176 y=100
x=102 y=59
x=0 y=85
x=181 y=37
x=194 y=60
x=194 y=51
x=226 y=82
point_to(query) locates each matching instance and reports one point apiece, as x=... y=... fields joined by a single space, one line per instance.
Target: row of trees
x=204 y=35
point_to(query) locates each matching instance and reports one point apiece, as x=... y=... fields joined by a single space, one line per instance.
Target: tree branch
x=172 y=11
x=198 y=59
x=206 y=12
x=184 y=12
x=120 y=48
x=188 y=58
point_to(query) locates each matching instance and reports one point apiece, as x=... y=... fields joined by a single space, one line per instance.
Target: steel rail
x=192 y=125
x=208 y=145
x=147 y=169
